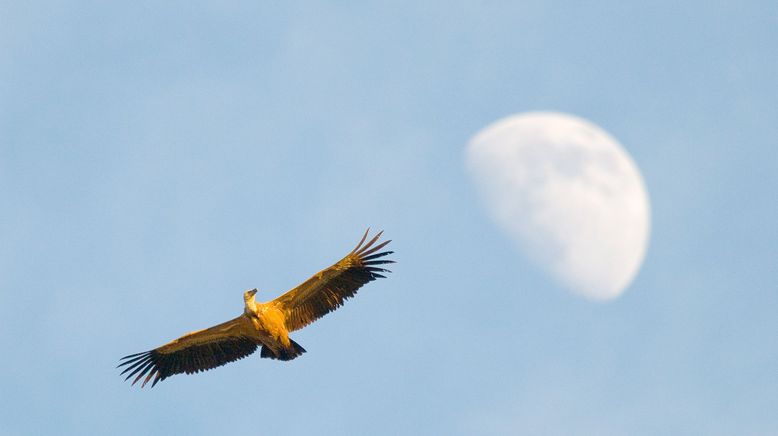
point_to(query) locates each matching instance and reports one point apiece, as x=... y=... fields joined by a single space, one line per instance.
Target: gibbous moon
x=568 y=194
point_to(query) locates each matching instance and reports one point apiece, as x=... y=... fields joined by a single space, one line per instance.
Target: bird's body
x=263 y=324
x=269 y=323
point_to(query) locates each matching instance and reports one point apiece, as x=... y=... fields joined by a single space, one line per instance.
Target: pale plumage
x=263 y=324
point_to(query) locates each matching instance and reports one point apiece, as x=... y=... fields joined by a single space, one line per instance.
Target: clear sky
x=158 y=158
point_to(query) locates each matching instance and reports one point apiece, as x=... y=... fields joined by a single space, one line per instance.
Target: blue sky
x=158 y=159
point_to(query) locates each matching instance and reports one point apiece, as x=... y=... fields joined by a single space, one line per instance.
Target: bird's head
x=248 y=300
x=249 y=295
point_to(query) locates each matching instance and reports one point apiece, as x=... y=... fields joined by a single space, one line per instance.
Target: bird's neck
x=251 y=307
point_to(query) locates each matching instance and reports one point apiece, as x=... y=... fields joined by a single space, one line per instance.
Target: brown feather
x=193 y=352
x=361 y=241
x=331 y=287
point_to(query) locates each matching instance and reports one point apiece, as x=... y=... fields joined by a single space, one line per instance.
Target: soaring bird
x=263 y=324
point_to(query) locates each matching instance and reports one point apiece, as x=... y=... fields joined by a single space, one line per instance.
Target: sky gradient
x=156 y=160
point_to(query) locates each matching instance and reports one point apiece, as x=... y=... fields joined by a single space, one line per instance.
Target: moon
x=568 y=194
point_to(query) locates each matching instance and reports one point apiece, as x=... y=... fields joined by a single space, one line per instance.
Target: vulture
x=265 y=325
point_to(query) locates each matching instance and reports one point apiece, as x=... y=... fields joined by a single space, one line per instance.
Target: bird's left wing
x=193 y=352
x=329 y=288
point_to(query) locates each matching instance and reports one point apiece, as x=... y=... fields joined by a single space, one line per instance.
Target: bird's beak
x=252 y=292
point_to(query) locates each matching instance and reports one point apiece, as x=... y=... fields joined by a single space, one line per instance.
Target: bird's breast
x=271 y=320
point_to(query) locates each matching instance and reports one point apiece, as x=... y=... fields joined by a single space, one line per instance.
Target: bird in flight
x=265 y=325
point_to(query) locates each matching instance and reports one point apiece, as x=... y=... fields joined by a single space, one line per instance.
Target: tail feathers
x=283 y=353
x=267 y=352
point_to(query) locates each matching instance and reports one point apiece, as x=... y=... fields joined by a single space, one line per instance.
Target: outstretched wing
x=193 y=352
x=329 y=288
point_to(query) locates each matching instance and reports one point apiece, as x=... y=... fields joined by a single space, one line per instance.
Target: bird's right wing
x=193 y=352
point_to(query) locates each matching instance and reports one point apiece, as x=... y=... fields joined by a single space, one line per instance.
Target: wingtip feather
x=133 y=355
x=367 y=246
x=361 y=241
x=148 y=377
x=366 y=252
